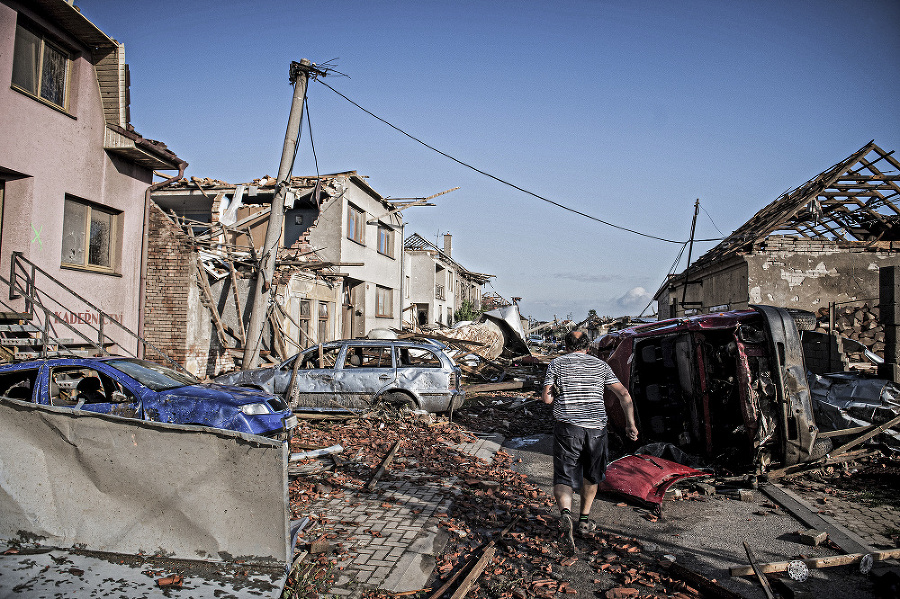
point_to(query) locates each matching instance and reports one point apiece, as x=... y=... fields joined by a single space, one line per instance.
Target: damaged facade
x=436 y=285
x=73 y=172
x=338 y=274
x=820 y=243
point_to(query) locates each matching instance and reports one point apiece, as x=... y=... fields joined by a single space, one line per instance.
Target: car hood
x=236 y=396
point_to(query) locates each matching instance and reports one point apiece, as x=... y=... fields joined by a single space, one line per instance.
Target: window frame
x=39 y=68
x=384 y=302
x=385 y=241
x=114 y=236
x=356 y=224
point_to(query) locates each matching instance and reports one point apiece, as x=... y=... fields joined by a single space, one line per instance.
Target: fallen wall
x=72 y=478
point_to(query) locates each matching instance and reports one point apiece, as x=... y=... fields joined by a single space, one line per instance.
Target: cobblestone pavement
x=871 y=523
x=392 y=535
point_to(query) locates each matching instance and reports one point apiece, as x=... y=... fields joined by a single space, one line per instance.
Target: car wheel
x=398 y=400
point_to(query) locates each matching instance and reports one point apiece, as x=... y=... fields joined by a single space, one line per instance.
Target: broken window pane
x=39 y=68
x=74 y=224
x=89 y=235
x=101 y=233
x=53 y=76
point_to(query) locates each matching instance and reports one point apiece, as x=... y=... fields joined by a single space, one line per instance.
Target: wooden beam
x=206 y=297
x=760 y=575
x=816 y=562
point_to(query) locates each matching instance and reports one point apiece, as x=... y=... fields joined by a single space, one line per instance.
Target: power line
x=503 y=181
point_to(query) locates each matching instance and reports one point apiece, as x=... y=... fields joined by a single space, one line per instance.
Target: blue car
x=139 y=389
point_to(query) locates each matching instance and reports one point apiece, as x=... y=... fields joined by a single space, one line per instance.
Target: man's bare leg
x=588 y=493
x=563 y=494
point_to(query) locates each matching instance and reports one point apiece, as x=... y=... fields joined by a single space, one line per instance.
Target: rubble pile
x=489 y=499
x=518 y=415
x=858 y=323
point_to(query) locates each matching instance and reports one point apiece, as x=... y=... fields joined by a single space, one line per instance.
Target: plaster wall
x=330 y=234
x=52 y=153
x=811 y=279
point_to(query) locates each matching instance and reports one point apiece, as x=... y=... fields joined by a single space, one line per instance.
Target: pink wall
x=63 y=154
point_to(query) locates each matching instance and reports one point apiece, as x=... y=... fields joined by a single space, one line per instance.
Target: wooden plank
x=494 y=387
x=207 y=298
x=876 y=430
x=237 y=303
x=760 y=575
x=816 y=562
x=384 y=466
x=788 y=501
x=469 y=566
x=474 y=573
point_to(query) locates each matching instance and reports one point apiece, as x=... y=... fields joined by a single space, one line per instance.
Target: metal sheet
x=645 y=477
x=104 y=483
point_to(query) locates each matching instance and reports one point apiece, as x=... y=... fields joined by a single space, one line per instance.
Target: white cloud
x=634 y=301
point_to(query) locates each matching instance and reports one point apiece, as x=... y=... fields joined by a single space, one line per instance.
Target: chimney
x=447 y=245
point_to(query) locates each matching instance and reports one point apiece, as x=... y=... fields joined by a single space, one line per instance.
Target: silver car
x=358 y=373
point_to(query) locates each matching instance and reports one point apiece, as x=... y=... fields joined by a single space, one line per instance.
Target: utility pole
x=299 y=77
x=690 y=249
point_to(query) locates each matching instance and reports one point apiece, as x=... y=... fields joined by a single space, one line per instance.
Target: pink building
x=74 y=175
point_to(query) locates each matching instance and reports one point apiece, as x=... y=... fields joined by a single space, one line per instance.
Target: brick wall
x=168 y=284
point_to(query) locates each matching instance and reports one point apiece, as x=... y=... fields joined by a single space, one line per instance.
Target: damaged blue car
x=133 y=388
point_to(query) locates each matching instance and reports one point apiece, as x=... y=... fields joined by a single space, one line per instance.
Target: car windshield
x=153 y=376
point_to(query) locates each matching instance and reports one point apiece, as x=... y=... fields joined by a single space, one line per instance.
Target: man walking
x=574 y=384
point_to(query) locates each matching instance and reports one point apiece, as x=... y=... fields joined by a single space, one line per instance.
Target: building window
x=40 y=68
x=356 y=224
x=89 y=236
x=324 y=313
x=305 y=314
x=386 y=241
x=439 y=292
x=384 y=305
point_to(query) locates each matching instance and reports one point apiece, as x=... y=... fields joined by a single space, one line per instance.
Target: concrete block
x=812 y=536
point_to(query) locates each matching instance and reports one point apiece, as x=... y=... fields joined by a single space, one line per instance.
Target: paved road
x=706 y=536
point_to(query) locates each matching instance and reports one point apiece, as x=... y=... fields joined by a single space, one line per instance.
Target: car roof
x=75 y=361
x=376 y=342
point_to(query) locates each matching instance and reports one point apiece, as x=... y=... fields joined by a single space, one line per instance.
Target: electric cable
x=504 y=182
x=712 y=221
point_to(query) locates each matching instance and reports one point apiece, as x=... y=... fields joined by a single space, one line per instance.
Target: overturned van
x=730 y=387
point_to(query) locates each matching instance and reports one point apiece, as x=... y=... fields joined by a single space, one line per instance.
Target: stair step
x=15 y=316
x=33 y=355
x=34 y=341
x=19 y=328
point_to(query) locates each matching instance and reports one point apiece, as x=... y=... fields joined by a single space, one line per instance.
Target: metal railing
x=42 y=304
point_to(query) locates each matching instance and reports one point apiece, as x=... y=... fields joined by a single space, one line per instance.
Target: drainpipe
x=145 y=242
x=402 y=273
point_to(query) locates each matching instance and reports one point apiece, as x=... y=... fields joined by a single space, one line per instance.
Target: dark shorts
x=578 y=453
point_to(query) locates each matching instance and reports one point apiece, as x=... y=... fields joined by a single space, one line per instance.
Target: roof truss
x=854 y=201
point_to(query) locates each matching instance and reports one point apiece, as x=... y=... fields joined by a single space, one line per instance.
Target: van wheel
x=804 y=319
x=820 y=449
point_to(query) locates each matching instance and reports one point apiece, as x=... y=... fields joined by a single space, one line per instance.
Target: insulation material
x=72 y=478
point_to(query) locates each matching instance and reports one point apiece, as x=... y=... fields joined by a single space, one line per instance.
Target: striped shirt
x=578 y=382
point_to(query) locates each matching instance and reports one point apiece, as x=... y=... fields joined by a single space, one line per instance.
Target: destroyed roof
x=851 y=203
x=417 y=243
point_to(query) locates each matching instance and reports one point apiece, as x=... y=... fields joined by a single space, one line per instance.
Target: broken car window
x=329 y=358
x=153 y=376
x=18 y=384
x=420 y=358
x=368 y=357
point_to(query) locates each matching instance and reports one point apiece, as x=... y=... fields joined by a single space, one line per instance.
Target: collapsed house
x=339 y=272
x=818 y=245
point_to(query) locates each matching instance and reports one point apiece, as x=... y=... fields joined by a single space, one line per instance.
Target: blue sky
x=627 y=111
